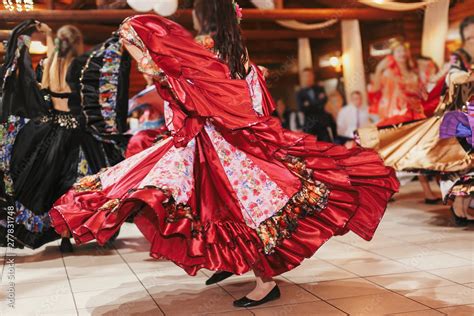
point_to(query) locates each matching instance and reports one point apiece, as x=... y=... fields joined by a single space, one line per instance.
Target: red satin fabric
x=433 y=100
x=143 y=140
x=360 y=185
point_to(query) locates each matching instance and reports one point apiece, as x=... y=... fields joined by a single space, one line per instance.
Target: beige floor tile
x=51 y=304
x=159 y=290
x=92 y=260
x=92 y=249
x=471 y=285
x=170 y=278
x=436 y=236
x=36 y=275
x=104 y=283
x=92 y=271
x=39 y=261
x=304 y=309
x=376 y=304
x=404 y=282
x=363 y=256
x=379 y=241
x=178 y=301
x=462 y=253
x=142 y=262
x=133 y=244
x=461 y=243
x=341 y=251
x=316 y=271
x=343 y=288
x=51 y=287
x=126 y=309
x=377 y=267
x=428 y=312
x=445 y=296
x=71 y=312
x=405 y=251
x=457 y=274
x=466 y=310
x=425 y=262
x=46 y=252
x=119 y=296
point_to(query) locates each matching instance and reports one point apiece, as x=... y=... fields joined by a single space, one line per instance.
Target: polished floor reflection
x=417 y=264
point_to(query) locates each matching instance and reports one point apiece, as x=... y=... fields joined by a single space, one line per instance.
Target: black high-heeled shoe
x=274 y=294
x=459 y=221
x=218 y=276
x=66 y=245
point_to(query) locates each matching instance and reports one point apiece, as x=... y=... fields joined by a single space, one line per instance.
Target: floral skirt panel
x=233 y=201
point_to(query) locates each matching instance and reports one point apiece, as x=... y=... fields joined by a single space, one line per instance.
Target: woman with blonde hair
x=400 y=88
x=41 y=159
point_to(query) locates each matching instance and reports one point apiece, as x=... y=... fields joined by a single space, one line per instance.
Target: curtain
x=292 y=24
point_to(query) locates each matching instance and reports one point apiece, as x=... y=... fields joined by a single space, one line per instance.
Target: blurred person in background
x=311 y=100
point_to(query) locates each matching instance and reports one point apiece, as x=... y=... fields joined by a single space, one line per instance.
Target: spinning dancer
x=458 y=188
x=230 y=190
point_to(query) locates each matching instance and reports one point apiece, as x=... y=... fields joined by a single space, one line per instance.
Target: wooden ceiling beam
x=94 y=34
x=117 y=16
x=287 y=34
x=272 y=46
x=4 y=34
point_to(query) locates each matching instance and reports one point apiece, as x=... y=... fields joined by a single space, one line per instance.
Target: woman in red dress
x=401 y=91
x=229 y=190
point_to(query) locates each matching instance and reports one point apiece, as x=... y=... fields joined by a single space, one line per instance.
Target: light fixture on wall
x=335 y=61
x=18 y=5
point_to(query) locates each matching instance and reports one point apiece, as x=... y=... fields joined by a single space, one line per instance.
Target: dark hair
x=465 y=23
x=219 y=19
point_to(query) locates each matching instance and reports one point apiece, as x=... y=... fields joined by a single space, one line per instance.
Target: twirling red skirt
x=332 y=190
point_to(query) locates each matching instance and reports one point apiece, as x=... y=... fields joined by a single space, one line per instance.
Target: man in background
x=311 y=100
x=351 y=117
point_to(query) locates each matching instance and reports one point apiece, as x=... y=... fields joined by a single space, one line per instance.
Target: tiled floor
x=417 y=264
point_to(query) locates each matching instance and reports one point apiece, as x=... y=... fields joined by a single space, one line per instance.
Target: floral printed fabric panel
x=113 y=174
x=259 y=197
x=108 y=85
x=255 y=90
x=174 y=173
x=32 y=222
x=8 y=132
